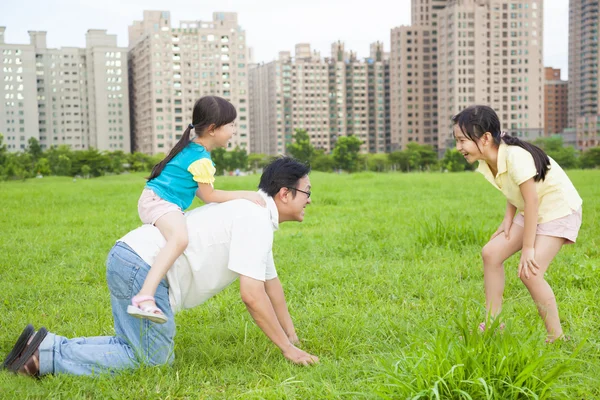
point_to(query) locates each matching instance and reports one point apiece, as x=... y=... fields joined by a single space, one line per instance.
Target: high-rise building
x=378 y=68
x=556 y=107
x=490 y=52
x=413 y=87
x=67 y=96
x=266 y=107
x=306 y=102
x=18 y=92
x=359 y=97
x=171 y=68
x=348 y=89
x=329 y=98
x=583 y=59
x=288 y=94
x=107 y=92
x=413 y=77
x=583 y=72
x=425 y=12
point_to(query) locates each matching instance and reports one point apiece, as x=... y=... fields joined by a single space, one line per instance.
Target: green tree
x=43 y=167
x=117 y=161
x=3 y=150
x=3 y=157
x=454 y=161
x=98 y=162
x=139 y=162
x=27 y=165
x=377 y=162
x=56 y=165
x=63 y=166
x=85 y=171
x=238 y=159
x=345 y=153
x=302 y=150
x=429 y=157
x=566 y=157
x=17 y=166
x=220 y=158
x=34 y=149
x=322 y=162
x=13 y=168
x=590 y=158
x=400 y=160
x=421 y=157
x=549 y=144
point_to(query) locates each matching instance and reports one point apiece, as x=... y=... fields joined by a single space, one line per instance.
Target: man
x=226 y=241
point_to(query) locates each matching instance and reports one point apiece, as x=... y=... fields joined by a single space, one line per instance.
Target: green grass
x=383 y=279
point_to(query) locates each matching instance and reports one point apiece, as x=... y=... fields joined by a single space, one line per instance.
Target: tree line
x=63 y=161
x=416 y=157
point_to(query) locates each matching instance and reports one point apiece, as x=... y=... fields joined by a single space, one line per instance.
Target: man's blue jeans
x=136 y=341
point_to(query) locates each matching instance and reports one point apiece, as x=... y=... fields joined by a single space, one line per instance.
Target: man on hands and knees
x=226 y=241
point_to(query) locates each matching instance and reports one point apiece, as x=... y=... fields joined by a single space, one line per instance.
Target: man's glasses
x=302 y=191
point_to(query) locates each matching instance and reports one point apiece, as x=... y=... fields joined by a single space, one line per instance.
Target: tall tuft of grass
x=452 y=234
x=465 y=363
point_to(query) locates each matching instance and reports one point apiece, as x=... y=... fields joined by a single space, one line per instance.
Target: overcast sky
x=271 y=25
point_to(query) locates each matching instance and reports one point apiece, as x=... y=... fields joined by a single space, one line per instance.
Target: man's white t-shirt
x=225 y=240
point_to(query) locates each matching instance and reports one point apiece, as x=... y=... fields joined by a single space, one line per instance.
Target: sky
x=271 y=25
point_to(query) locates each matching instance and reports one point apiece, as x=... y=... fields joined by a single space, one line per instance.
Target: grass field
x=383 y=279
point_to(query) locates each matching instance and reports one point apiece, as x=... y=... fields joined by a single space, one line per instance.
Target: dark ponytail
x=209 y=111
x=475 y=121
x=181 y=144
x=540 y=158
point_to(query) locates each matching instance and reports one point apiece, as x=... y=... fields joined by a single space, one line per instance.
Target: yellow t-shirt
x=203 y=171
x=557 y=197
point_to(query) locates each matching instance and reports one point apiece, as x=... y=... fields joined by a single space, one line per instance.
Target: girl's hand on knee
x=504 y=227
x=527 y=263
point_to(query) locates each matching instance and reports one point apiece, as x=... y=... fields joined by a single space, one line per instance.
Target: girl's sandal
x=151 y=313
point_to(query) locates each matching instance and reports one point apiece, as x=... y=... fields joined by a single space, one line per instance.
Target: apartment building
x=583 y=59
x=583 y=72
x=171 y=67
x=490 y=52
x=65 y=96
x=328 y=97
x=413 y=77
x=556 y=102
x=18 y=103
x=413 y=87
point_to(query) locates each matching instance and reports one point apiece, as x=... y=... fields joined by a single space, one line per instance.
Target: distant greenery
x=62 y=161
x=416 y=157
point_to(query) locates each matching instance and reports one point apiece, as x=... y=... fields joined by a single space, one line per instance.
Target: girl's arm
x=509 y=215
x=203 y=172
x=208 y=194
x=527 y=263
x=511 y=210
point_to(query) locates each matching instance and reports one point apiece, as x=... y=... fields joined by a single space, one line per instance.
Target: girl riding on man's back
x=535 y=185
x=186 y=172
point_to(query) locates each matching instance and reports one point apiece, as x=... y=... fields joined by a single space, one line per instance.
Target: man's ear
x=283 y=194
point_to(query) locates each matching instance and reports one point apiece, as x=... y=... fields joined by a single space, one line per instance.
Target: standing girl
x=187 y=171
x=534 y=184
